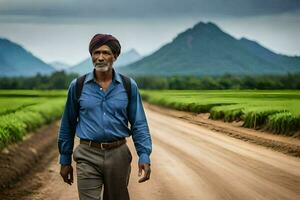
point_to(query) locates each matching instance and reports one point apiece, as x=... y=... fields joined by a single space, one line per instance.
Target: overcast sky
x=60 y=30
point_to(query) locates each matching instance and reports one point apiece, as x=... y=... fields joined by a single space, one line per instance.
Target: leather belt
x=103 y=145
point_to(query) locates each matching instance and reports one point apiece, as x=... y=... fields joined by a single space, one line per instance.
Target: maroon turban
x=104 y=39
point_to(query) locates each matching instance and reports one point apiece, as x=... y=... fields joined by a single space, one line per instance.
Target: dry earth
x=188 y=162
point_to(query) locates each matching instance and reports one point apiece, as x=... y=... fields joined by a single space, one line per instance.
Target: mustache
x=101 y=64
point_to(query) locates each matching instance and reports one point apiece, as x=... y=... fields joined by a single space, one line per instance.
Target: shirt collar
x=91 y=76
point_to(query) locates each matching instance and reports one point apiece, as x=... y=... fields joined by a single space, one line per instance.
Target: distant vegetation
x=24 y=111
x=57 y=80
x=276 y=111
x=289 y=81
x=61 y=80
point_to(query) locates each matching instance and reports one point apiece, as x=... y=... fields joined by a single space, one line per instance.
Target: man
x=100 y=119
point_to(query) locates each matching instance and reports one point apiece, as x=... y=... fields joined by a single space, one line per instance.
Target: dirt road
x=191 y=162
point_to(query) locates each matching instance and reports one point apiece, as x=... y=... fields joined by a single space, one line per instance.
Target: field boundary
x=18 y=159
x=283 y=144
x=272 y=111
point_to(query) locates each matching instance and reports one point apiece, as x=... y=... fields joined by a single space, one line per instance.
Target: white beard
x=101 y=68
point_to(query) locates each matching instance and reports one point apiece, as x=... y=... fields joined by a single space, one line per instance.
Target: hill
x=17 y=61
x=207 y=50
x=59 y=65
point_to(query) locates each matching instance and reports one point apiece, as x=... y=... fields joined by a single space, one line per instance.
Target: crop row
x=14 y=125
x=275 y=112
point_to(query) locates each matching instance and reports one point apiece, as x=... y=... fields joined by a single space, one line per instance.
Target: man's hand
x=66 y=172
x=147 y=172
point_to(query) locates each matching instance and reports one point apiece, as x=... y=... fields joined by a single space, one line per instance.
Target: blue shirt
x=103 y=117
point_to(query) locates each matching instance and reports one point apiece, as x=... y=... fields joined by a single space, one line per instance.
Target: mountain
x=124 y=59
x=59 y=65
x=206 y=50
x=17 y=61
x=290 y=62
x=83 y=67
x=127 y=58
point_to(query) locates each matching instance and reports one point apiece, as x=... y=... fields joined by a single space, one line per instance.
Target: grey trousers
x=98 y=170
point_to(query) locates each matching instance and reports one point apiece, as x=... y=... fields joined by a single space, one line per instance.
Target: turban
x=104 y=39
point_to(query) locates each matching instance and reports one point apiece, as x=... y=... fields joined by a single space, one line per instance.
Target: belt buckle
x=101 y=146
x=103 y=143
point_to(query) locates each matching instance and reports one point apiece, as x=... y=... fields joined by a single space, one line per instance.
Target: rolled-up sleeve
x=139 y=126
x=68 y=127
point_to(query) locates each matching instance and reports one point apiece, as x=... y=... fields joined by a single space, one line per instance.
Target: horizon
x=70 y=27
x=142 y=55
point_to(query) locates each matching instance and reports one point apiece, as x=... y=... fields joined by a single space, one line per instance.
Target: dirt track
x=188 y=162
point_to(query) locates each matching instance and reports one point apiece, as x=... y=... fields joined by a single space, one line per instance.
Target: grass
x=277 y=111
x=24 y=111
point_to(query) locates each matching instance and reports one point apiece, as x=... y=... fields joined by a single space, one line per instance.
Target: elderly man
x=98 y=108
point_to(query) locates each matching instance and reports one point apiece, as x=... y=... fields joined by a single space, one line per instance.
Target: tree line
x=227 y=81
x=57 y=80
x=61 y=80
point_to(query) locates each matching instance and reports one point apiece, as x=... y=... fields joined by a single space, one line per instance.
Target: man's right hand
x=66 y=172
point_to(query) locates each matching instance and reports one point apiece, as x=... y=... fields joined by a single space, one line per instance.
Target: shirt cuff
x=65 y=159
x=144 y=159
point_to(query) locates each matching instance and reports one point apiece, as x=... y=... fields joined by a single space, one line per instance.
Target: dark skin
x=101 y=55
x=66 y=172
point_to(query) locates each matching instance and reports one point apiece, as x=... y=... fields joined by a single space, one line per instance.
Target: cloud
x=143 y=25
x=94 y=9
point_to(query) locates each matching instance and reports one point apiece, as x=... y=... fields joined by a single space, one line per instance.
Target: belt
x=103 y=145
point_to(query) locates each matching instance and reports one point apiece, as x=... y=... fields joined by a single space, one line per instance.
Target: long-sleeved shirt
x=103 y=117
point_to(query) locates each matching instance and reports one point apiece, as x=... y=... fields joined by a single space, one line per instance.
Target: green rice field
x=276 y=111
x=22 y=111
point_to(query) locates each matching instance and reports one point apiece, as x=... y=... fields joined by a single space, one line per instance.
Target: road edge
x=18 y=159
x=287 y=145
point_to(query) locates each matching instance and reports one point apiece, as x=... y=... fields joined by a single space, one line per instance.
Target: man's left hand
x=147 y=172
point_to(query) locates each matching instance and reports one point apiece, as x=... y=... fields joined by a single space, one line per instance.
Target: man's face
x=103 y=58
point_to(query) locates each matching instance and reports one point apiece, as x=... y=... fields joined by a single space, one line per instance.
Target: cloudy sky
x=60 y=30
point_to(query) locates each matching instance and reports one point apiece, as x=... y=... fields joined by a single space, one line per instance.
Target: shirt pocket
x=89 y=102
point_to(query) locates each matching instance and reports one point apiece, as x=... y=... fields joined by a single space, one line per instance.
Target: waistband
x=103 y=145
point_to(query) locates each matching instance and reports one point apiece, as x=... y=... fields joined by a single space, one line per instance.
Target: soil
x=20 y=161
x=188 y=162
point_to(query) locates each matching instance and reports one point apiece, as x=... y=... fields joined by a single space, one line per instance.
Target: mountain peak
x=4 y=40
x=133 y=52
x=208 y=25
x=205 y=49
x=201 y=30
x=59 y=65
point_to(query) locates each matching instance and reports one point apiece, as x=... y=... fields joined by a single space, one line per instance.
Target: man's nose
x=100 y=57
